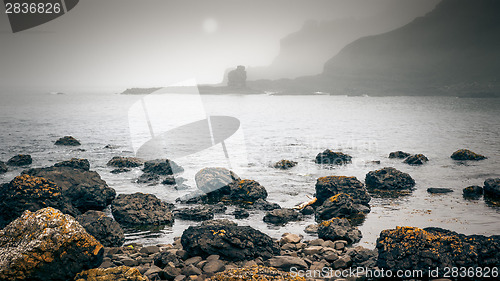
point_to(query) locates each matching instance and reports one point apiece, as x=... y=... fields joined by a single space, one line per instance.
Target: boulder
x=416 y=159
x=162 y=167
x=282 y=216
x=31 y=193
x=67 y=140
x=246 y=191
x=338 y=229
x=398 y=154
x=330 y=157
x=411 y=248
x=148 y=178
x=141 y=209
x=255 y=273
x=241 y=213
x=103 y=228
x=439 y=190
x=198 y=213
x=120 y=170
x=219 y=223
x=125 y=162
x=82 y=164
x=465 y=154
x=119 y=273
x=85 y=189
x=472 y=192
x=261 y=204
x=340 y=205
x=285 y=164
x=20 y=160
x=46 y=245
x=214 y=182
x=287 y=262
x=388 y=179
x=3 y=167
x=492 y=188
x=229 y=242
x=327 y=187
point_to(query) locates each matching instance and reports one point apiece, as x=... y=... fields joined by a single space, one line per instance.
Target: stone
x=312 y=250
x=285 y=164
x=388 y=179
x=191 y=270
x=46 y=245
x=125 y=162
x=152 y=270
x=255 y=273
x=103 y=228
x=340 y=205
x=20 y=160
x=148 y=178
x=290 y=238
x=287 y=262
x=465 y=154
x=399 y=154
x=417 y=159
x=472 y=192
x=169 y=273
x=141 y=209
x=327 y=187
x=492 y=187
x=439 y=190
x=149 y=250
x=330 y=157
x=214 y=266
x=3 y=167
x=229 y=242
x=31 y=193
x=119 y=273
x=162 y=167
x=312 y=228
x=82 y=164
x=241 y=213
x=339 y=229
x=308 y=210
x=163 y=259
x=120 y=170
x=246 y=192
x=67 y=140
x=198 y=213
x=282 y=216
x=214 y=182
x=262 y=204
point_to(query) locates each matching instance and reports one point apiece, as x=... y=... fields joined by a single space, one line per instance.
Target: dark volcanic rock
x=398 y=154
x=411 y=248
x=388 y=179
x=141 y=209
x=241 y=214
x=120 y=170
x=198 y=213
x=338 y=206
x=472 y=192
x=416 y=159
x=31 y=193
x=436 y=190
x=85 y=189
x=103 y=228
x=331 y=157
x=338 y=229
x=492 y=187
x=229 y=242
x=327 y=187
x=282 y=216
x=162 y=167
x=20 y=160
x=148 y=178
x=215 y=182
x=261 y=204
x=285 y=164
x=125 y=162
x=465 y=154
x=46 y=245
x=3 y=168
x=119 y=273
x=76 y=163
x=247 y=191
x=67 y=140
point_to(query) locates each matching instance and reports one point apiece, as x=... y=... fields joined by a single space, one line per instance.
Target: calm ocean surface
x=281 y=127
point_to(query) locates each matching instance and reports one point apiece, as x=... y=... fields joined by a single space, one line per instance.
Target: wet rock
x=312 y=228
x=214 y=266
x=247 y=191
x=120 y=170
x=338 y=229
x=103 y=228
x=31 y=193
x=141 y=209
x=198 y=213
x=330 y=157
x=287 y=262
x=492 y=187
x=255 y=273
x=388 y=179
x=399 y=154
x=67 y=140
x=411 y=248
x=327 y=187
x=439 y=190
x=261 y=204
x=148 y=178
x=3 y=168
x=111 y=274
x=46 y=245
x=219 y=223
x=229 y=242
x=218 y=208
x=340 y=205
x=290 y=238
x=282 y=216
x=465 y=154
x=169 y=180
x=473 y=192
x=85 y=189
x=125 y=162
x=215 y=182
x=285 y=164
x=416 y=159
x=363 y=257
x=240 y=213
x=162 y=167
x=169 y=273
x=82 y=164
x=308 y=210
x=20 y=160
x=165 y=258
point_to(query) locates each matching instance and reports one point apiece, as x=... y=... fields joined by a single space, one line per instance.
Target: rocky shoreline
x=54 y=227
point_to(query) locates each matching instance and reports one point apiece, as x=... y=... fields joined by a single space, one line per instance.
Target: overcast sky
x=114 y=44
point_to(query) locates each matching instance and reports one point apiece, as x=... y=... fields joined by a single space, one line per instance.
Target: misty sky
x=114 y=44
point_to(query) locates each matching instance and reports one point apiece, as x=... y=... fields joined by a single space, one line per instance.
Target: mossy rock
x=119 y=273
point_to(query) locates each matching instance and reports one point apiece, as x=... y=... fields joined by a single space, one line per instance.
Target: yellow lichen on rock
x=120 y=273
x=255 y=273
